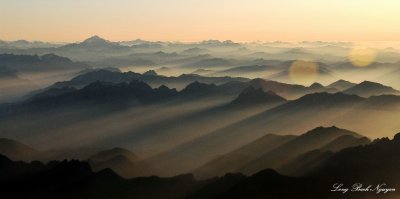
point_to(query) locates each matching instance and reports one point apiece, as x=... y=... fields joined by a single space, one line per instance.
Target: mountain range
x=36 y=63
x=290 y=91
x=125 y=163
x=143 y=116
x=211 y=119
x=152 y=79
x=232 y=58
x=38 y=180
x=367 y=89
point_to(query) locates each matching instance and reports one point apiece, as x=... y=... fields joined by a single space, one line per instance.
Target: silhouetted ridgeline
x=287 y=154
x=370 y=164
x=168 y=126
x=211 y=119
x=123 y=162
x=75 y=179
x=35 y=63
x=152 y=79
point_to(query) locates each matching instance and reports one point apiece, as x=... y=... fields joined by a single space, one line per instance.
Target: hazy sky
x=192 y=20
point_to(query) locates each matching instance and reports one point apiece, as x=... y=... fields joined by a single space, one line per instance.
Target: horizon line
x=203 y=40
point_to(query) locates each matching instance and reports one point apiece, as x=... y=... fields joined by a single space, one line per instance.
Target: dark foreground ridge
x=372 y=164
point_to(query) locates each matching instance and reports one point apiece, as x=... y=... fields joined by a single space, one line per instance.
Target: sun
x=361 y=56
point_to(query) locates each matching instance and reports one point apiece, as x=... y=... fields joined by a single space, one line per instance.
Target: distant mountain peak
x=368 y=89
x=316 y=85
x=373 y=85
x=199 y=86
x=163 y=87
x=95 y=40
x=218 y=42
x=150 y=72
x=50 y=55
x=252 y=96
x=342 y=81
x=341 y=85
x=397 y=137
x=366 y=82
x=54 y=57
x=140 y=40
x=166 y=89
x=95 y=43
x=258 y=80
x=330 y=130
x=327 y=128
x=327 y=99
x=251 y=90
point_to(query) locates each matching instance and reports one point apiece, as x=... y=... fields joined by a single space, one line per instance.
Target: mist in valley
x=144 y=108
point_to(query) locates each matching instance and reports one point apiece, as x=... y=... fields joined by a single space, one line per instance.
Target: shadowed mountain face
x=360 y=164
x=151 y=73
x=272 y=151
x=153 y=79
x=231 y=161
x=367 y=89
x=235 y=160
x=289 y=90
x=198 y=88
x=16 y=150
x=101 y=93
x=385 y=102
x=341 y=85
x=125 y=163
x=146 y=115
x=35 y=63
x=74 y=179
x=330 y=109
x=181 y=131
x=345 y=141
x=251 y=96
x=356 y=162
x=21 y=74
x=120 y=94
x=226 y=112
x=21 y=152
x=325 y=99
x=310 y=160
x=286 y=90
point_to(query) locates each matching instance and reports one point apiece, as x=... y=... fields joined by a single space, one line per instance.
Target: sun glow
x=194 y=20
x=361 y=56
x=303 y=72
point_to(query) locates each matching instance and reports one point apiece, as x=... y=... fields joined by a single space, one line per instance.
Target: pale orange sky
x=194 y=20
